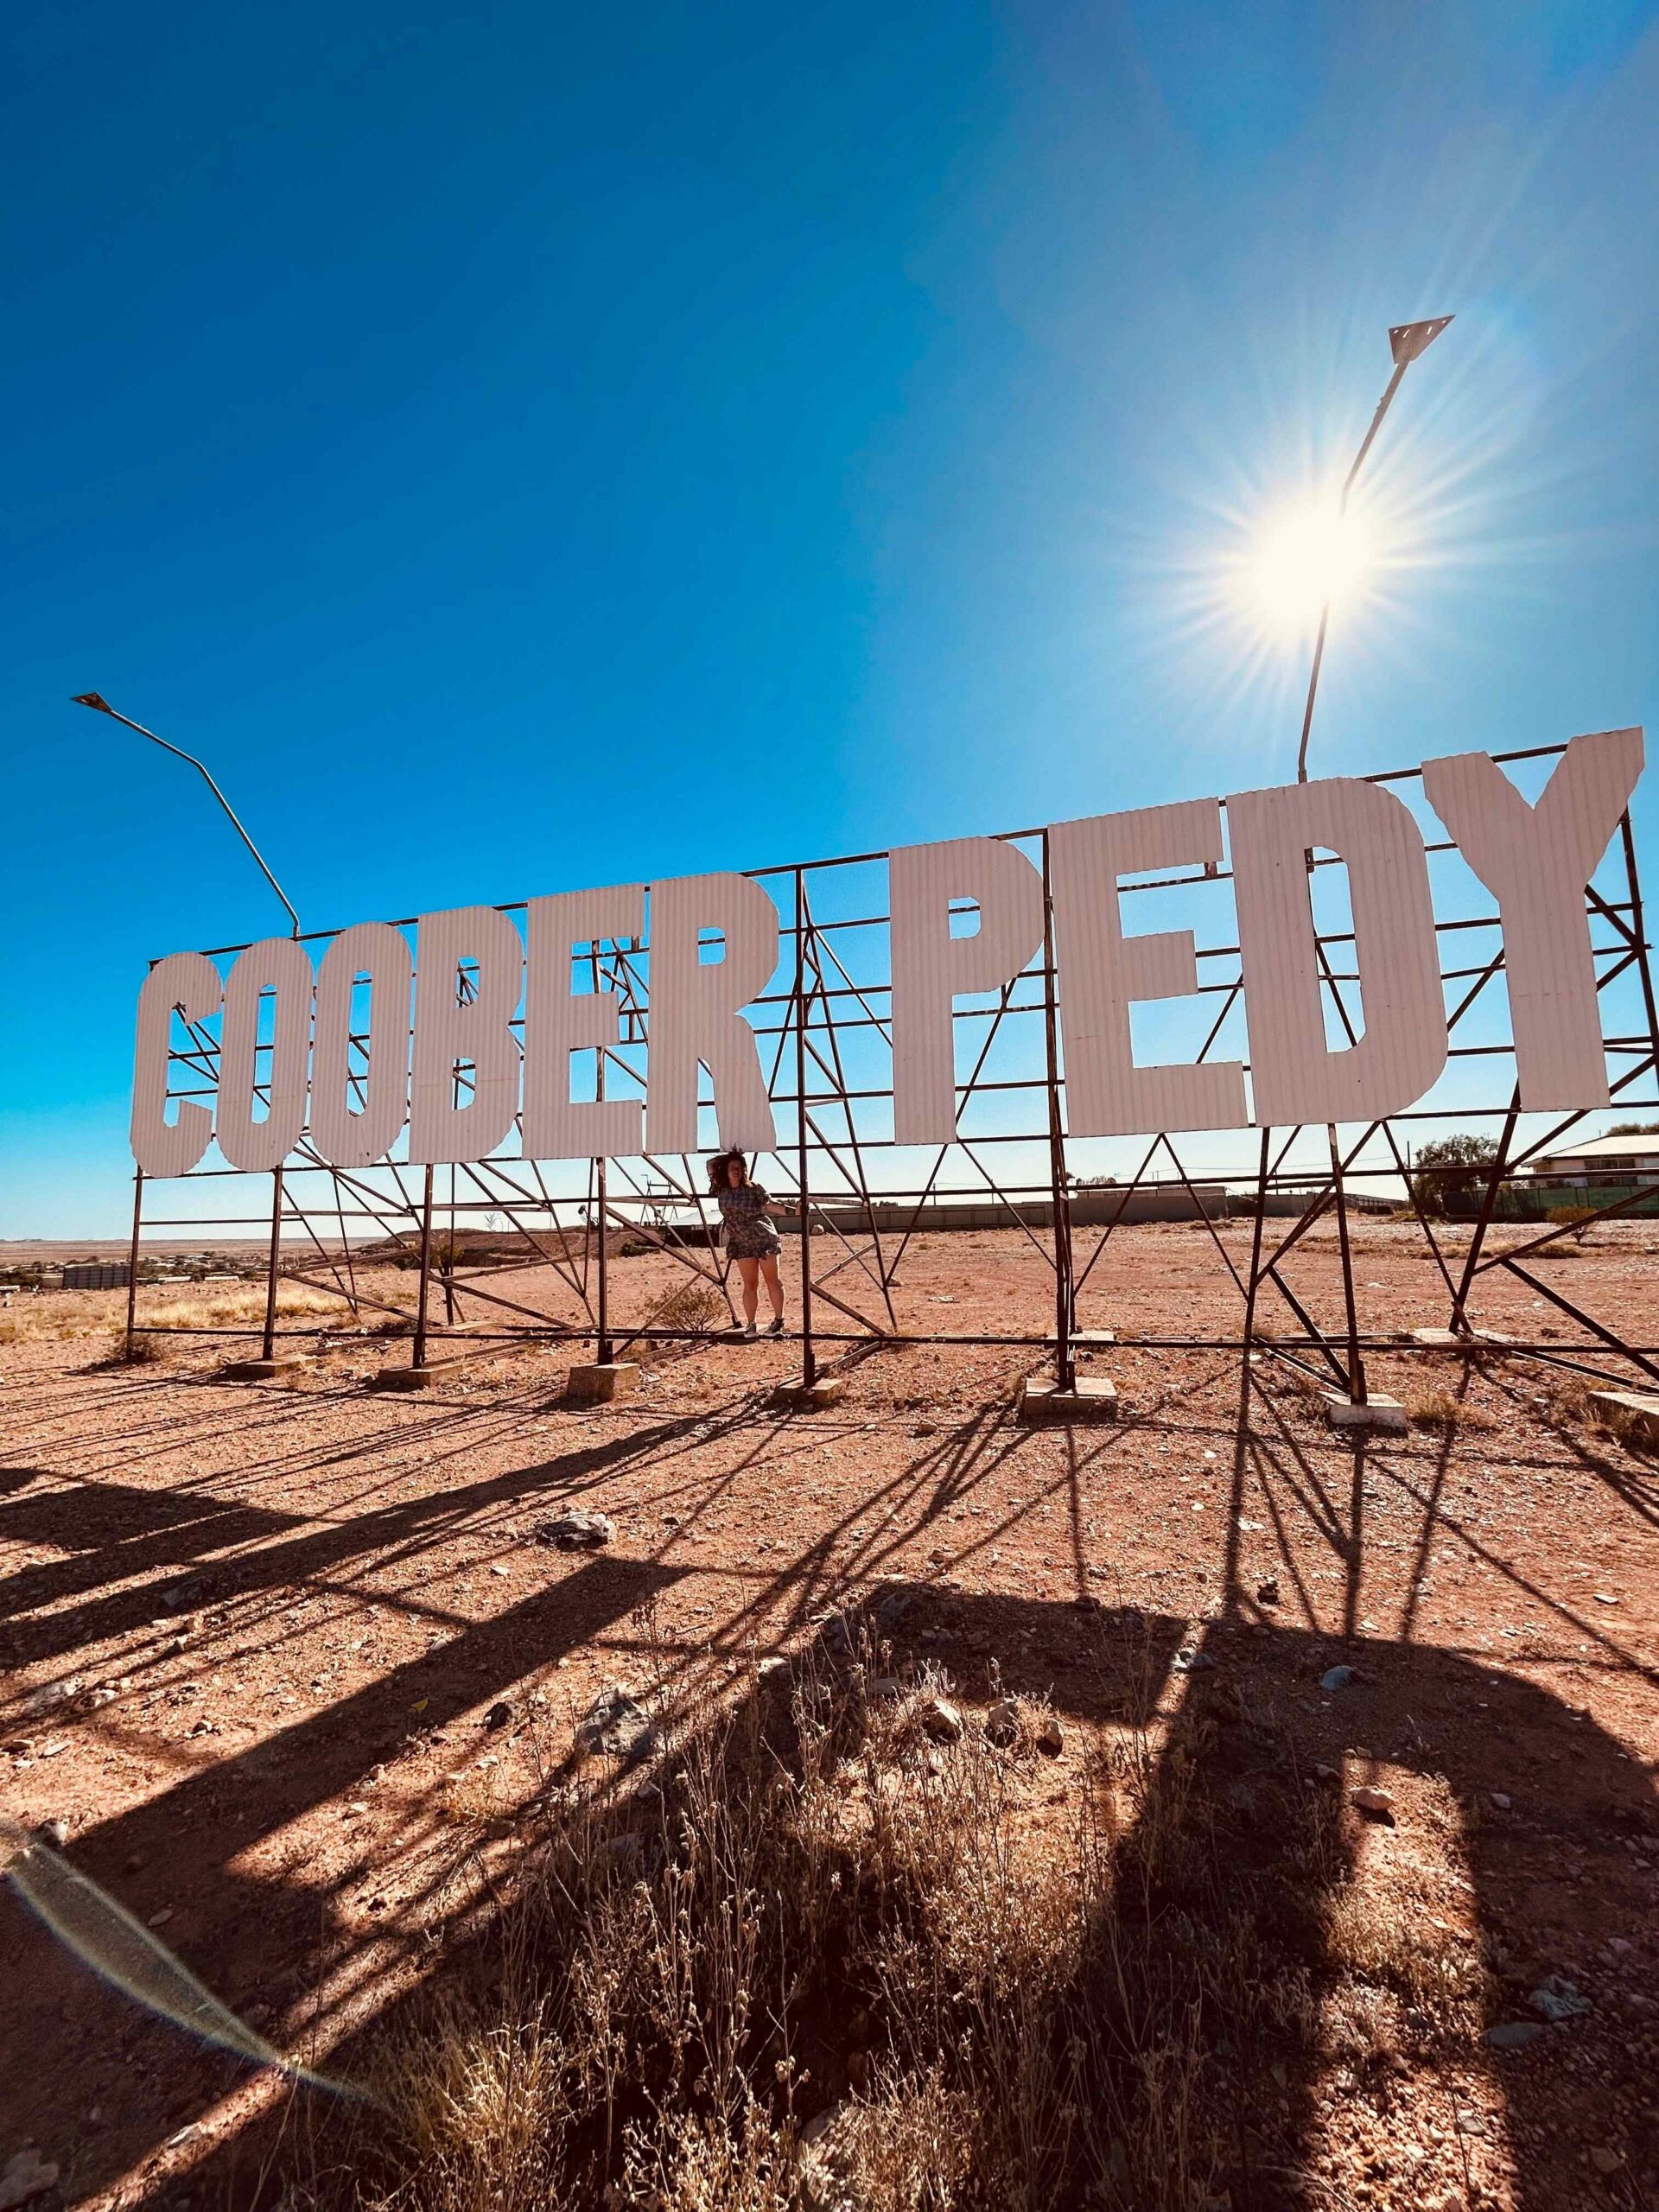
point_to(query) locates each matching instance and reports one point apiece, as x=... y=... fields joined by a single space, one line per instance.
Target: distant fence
x=1526 y=1201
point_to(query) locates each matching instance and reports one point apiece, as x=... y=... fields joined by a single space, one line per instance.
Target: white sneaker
x=750 y=1332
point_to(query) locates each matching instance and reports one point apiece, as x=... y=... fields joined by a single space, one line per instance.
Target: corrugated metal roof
x=1607 y=1149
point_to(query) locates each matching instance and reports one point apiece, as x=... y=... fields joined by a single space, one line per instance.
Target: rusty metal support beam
x=132 y=1258
x=418 y=1358
x=273 y=1265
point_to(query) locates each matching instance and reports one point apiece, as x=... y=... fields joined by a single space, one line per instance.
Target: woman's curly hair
x=718 y=1166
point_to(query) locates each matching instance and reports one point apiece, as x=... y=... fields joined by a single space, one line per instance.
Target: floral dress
x=749 y=1234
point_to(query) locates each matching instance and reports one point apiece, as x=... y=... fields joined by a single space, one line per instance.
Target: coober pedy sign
x=458 y=1089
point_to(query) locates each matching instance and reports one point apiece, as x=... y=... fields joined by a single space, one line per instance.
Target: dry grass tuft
x=134 y=1351
x=821 y=1956
x=1386 y=1941
x=1569 y=1401
x=692 y=1305
x=1441 y=1410
x=52 y=1317
x=243 y=1305
x=1571 y=1404
x=1305 y=1385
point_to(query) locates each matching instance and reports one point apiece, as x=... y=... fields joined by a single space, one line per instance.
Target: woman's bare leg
x=774 y=1285
x=748 y=1275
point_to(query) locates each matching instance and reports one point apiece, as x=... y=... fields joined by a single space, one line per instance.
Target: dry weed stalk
x=831 y=1916
x=243 y=1305
x=692 y=1305
x=1444 y=1410
x=1572 y=1403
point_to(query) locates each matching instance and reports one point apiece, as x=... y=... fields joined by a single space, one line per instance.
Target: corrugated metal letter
x=1101 y=970
x=695 y=1011
x=474 y=1033
x=1294 y=1075
x=1535 y=861
x=190 y=983
x=559 y=1021
x=930 y=967
x=277 y=964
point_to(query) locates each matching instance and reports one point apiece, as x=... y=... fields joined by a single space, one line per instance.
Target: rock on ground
x=940 y=1720
x=616 y=1725
x=826 y=2161
x=25 y=2175
x=1002 y=1721
x=576 y=1529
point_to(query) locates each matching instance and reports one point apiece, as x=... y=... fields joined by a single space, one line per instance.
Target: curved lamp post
x=1407 y=340
x=102 y=706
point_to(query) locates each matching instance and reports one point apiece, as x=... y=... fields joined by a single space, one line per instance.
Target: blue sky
x=523 y=448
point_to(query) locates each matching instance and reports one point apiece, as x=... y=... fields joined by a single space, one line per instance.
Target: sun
x=1304 y=559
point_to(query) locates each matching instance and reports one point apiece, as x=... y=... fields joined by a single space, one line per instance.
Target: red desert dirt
x=302 y=1674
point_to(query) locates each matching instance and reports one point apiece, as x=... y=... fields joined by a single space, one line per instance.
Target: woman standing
x=750 y=1238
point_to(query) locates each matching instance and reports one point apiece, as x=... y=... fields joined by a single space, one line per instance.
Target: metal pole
x=1639 y=929
x=604 y=1276
x=447 y=1273
x=103 y=707
x=419 y=1359
x=1356 y=1364
x=1066 y=1375
x=1484 y=1219
x=1406 y=341
x=1255 y=1254
x=1325 y=612
x=605 y=1348
x=132 y=1258
x=269 y=1348
x=809 y=1357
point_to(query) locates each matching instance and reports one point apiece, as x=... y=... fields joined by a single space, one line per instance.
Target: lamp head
x=94 y=700
x=1407 y=339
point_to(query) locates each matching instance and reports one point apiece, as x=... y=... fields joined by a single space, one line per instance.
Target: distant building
x=96 y=1274
x=1599 y=1160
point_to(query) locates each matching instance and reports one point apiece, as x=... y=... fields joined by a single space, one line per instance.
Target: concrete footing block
x=1440 y=1340
x=1091 y=1397
x=260 y=1370
x=426 y=1376
x=815 y=1396
x=1639 y=1407
x=1378 y=1412
x=1092 y=1339
x=597 y=1384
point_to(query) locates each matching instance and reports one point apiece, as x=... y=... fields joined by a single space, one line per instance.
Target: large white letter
x=1536 y=860
x=474 y=1032
x=1294 y=1074
x=343 y=1136
x=929 y=966
x=694 y=1011
x=282 y=967
x=186 y=982
x=559 y=1021
x=1101 y=970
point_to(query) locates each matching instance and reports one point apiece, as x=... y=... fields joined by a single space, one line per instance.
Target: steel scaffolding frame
x=815 y=1037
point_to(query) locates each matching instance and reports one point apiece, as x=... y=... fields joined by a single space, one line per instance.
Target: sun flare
x=1304 y=558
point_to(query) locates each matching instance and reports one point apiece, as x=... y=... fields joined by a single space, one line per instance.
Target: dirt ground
x=258 y=1641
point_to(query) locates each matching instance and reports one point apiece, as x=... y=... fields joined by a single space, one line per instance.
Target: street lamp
x=1407 y=340
x=102 y=706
